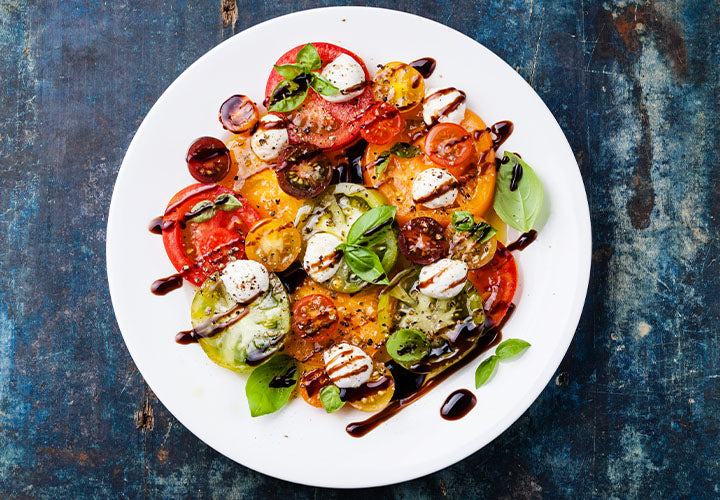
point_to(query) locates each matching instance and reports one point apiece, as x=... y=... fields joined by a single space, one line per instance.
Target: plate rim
x=543 y=377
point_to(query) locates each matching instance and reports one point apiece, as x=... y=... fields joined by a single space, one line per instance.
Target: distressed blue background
x=633 y=409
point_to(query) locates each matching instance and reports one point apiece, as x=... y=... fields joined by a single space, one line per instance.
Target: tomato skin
x=330 y=126
x=315 y=318
x=193 y=248
x=496 y=282
x=380 y=123
x=450 y=146
x=208 y=160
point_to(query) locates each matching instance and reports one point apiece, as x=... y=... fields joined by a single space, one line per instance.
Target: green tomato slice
x=251 y=340
x=452 y=326
x=334 y=212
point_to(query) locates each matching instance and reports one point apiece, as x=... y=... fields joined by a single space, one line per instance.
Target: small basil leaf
x=264 y=399
x=291 y=96
x=309 y=58
x=290 y=71
x=322 y=85
x=519 y=207
x=203 y=211
x=384 y=159
x=463 y=221
x=482 y=232
x=511 y=347
x=364 y=263
x=374 y=221
x=227 y=202
x=330 y=398
x=486 y=368
x=407 y=345
x=405 y=150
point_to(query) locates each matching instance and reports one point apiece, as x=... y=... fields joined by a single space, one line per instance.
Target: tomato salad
x=347 y=237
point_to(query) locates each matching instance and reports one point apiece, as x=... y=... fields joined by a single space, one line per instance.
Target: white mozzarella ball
x=347 y=75
x=269 y=138
x=435 y=188
x=443 y=279
x=245 y=280
x=347 y=365
x=451 y=100
x=322 y=259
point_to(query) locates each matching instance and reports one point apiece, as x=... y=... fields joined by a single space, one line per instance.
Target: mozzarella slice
x=322 y=259
x=269 y=138
x=443 y=279
x=435 y=188
x=347 y=75
x=444 y=105
x=347 y=365
x=245 y=280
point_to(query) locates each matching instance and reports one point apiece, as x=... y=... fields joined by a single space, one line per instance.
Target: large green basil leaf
x=265 y=397
x=520 y=207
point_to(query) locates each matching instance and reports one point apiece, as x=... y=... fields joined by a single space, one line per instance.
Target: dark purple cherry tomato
x=208 y=160
x=238 y=114
x=422 y=240
x=303 y=170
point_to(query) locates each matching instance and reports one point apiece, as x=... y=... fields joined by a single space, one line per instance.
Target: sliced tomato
x=315 y=318
x=303 y=171
x=327 y=125
x=450 y=146
x=311 y=383
x=422 y=240
x=274 y=243
x=198 y=249
x=496 y=282
x=380 y=123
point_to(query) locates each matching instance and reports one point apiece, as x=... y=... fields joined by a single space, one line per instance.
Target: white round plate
x=301 y=443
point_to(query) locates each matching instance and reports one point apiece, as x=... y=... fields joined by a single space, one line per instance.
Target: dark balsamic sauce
x=164 y=286
x=500 y=132
x=523 y=241
x=284 y=381
x=425 y=66
x=156 y=225
x=351 y=171
x=292 y=277
x=488 y=340
x=458 y=404
x=517 y=174
x=212 y=325
x=367 y=389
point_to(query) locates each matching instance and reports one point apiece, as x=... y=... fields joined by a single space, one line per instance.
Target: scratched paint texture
x=633 y=409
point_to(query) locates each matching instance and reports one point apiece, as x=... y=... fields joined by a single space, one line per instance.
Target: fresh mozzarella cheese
x=245 y=280
x=322 y=259
x=347 y=75
x=443 y=279
x=347 y=365
x=435 y=188
x=269 y=138
x=444 y=105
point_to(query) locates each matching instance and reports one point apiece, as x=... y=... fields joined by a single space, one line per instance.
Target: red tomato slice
x=450 y=146
x=380 y=123
x=327 y=125
x=496 y=282
x=198 y=249
x=314 y=318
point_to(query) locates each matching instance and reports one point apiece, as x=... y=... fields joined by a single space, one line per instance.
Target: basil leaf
x=486 y=368
x=463 y=221
x=263 y=399
x=405 y=150
x=322 y=85
x=291 y=98
x=200 y=212
x=407 y=345
x=385 y=155
x=375 y=221
x=482 y=232
x=308 y=58
x=364 y=263
x=227 y=202
x=511 y=347
x=518 y=208
x=330 y=398
x=290 y=71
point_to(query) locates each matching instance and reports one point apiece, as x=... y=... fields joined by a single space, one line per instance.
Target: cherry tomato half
x=422 y=240
x=465 y=247
x=314 y=318
x=303 y=170
x=208 y=160
x=238 y=114
x=496 y=282
x=274 y=243
x=400 y=85
x=380 y=123
x=373 y=395
x=311 y=383
x=450 y=146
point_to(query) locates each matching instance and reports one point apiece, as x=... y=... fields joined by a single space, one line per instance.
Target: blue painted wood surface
x=633 y=410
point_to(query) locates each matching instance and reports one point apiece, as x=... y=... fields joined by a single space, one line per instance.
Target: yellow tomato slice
x=263 y=192
x=399 y=84
x=275 y=243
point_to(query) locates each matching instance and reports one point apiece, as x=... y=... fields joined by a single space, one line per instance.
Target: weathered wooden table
x=633 y=409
